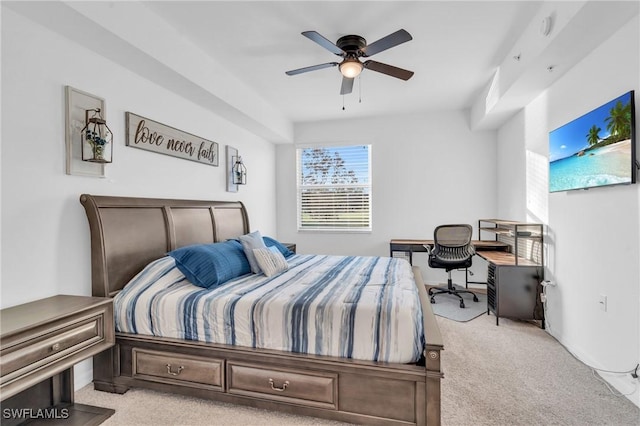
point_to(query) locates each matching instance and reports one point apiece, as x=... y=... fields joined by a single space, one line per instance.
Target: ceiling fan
x=351 y=48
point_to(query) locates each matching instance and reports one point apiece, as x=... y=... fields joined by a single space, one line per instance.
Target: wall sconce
x=239 y=171
x=97 y=138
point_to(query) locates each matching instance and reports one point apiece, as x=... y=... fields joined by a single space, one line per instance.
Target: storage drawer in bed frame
x=283 y=384
x=252 y=378
x=168 y=367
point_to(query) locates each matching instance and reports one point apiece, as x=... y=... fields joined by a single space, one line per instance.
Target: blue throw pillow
x=209 y=265
x=269 y=242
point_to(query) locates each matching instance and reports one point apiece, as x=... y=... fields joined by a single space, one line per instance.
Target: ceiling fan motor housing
x=352 y=44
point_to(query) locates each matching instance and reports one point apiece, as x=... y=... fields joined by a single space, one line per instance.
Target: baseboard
x=621 y=383
x=625 y=384
x=82 y=373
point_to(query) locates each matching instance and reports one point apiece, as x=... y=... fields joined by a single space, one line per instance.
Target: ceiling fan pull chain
x=360 y=89
x=343 y=102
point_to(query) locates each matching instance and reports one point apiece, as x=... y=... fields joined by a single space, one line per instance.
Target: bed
x=128 y=234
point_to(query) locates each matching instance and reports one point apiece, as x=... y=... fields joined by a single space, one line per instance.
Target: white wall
x=45 y=235
x=427 y=169
x=511 y=183
x=594 y=235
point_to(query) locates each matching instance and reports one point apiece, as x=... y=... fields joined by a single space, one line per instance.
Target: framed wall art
x=77 y=103
x=144 y=133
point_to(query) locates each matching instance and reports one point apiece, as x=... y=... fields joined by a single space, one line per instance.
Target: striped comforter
x=344 y=306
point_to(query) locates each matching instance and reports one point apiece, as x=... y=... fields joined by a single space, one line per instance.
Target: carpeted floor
x=513 y=374
x=517 y=374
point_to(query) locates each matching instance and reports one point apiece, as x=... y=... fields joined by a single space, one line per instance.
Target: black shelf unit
x=514 y=278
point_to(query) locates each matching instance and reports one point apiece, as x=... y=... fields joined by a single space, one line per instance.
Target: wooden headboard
x=127 y=233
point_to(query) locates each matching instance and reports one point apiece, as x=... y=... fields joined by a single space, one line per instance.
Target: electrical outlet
x=603 y=302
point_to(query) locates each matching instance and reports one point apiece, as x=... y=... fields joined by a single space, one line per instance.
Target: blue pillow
x=209 y=265
x=269 y=242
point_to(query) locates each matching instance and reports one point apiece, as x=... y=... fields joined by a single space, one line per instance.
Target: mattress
x=364 y=308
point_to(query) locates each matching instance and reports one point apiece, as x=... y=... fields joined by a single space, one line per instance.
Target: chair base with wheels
x=452 y=250
x=450 y=289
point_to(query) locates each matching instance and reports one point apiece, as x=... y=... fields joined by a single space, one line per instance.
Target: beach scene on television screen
x=593 y=150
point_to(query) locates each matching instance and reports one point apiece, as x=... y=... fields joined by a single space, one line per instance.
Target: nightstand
x=40 y=342
x=290 y=246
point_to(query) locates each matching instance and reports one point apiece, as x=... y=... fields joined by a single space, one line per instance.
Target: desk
x=513 y=288
x=417 y=246
x=504 y=258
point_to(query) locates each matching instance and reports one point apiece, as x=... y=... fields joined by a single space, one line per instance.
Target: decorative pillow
x=249 y=242
x=209 y=265
x=270 y=260
x=271 y=242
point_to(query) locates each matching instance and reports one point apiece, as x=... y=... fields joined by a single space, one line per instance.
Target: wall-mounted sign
x=153 y=136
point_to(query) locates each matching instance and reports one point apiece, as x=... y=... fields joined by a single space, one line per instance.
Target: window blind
x=334 y=188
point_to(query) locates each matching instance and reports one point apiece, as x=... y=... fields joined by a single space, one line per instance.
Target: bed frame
x=128 y=233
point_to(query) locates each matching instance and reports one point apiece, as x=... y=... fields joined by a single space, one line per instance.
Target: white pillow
x=271 y=261
x=249 y=242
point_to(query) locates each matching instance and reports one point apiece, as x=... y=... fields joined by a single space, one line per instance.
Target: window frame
x=300 y=187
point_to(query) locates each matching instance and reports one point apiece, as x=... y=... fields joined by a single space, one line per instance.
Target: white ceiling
x=231 y=57
x=456 y=48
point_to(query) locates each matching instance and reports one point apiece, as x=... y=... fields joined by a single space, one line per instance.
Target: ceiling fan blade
x=314 y=36
x=311 y=68
x=396 y=72
x=392 y=40
x=347 y=86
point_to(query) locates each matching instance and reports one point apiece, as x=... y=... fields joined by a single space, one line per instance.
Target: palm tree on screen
x=619 y=121
x=593 y=136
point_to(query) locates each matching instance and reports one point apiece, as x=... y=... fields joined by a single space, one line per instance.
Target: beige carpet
x=514 y=374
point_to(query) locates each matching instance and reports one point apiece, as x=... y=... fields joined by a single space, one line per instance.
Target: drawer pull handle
x=176 y=373
x=55 y=347
x=282 y=389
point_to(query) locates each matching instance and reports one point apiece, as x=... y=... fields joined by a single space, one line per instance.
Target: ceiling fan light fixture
x=351 y=68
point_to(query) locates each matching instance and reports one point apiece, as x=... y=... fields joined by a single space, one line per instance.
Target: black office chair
x=452 y=249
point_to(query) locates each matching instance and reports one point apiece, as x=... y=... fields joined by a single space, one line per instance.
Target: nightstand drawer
x=167 y=367
x=52 y=344
x=43 y=338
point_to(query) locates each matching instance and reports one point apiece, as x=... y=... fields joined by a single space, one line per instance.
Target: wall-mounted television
x=596 y=149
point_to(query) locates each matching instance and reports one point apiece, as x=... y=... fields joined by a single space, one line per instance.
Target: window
x=334 y=188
